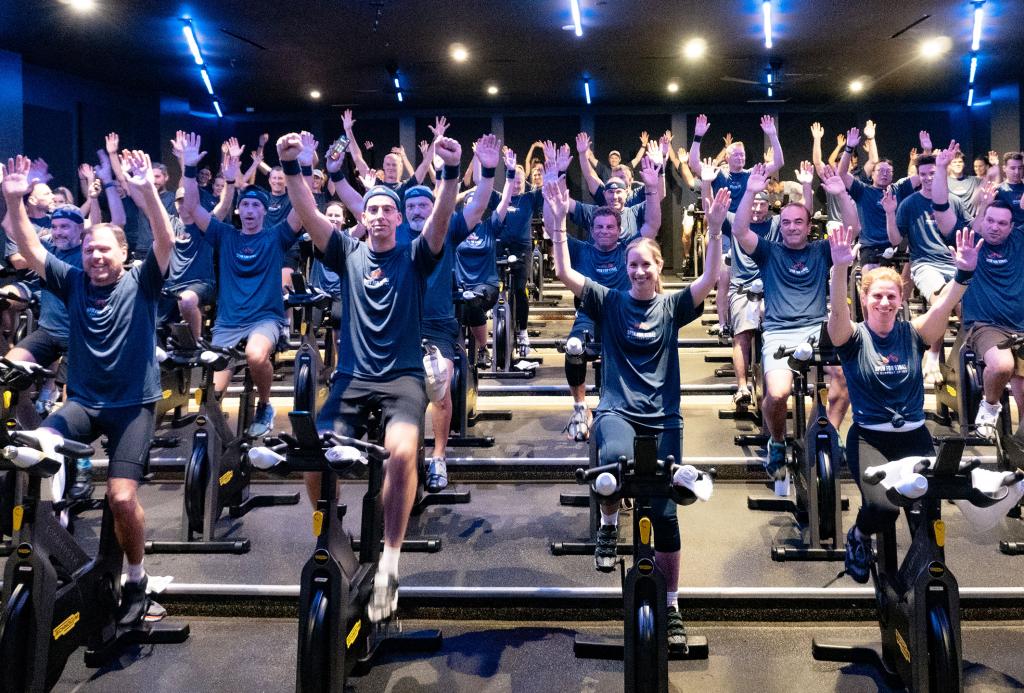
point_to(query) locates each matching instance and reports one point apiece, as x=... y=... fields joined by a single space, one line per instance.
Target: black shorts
x=167 y=310
x=44 y=347
x=129 y=431
x=444 y=335
x=474 y=313
x=402 y=400
x=293 y=257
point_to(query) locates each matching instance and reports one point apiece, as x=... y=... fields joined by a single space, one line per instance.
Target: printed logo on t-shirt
x=994 y=257
x=474 y=241
x=641 y=332
x=246 y=253
x=375 y=279
x=890 y=365
x=606 y=269
x=799 y=268
x=96 y=307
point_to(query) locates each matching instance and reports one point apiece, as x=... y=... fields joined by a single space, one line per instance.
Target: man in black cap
x=249 y=304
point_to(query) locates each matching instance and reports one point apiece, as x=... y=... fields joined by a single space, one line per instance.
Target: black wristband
x=451 y=172
x=487 y=172
x=306 y=171
x=963 y=276
x=109 y=184
x=336 y=176
x=291 y=168
x=848 y=149
x=940 y=207
x=190 y=172
x=697 y=139
x=510 y=173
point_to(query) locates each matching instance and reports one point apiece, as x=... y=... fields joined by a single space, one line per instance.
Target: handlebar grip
x=72 y=448
x=585 y=475
x=873 y=476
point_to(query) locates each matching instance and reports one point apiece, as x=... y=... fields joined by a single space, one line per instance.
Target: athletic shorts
x=402 y=400
x=741 y=317
x=44 y=347
x=129 y=431
x=227 y=337
x=983 y=337
x=929 y=279
x=790 y=337
x=442 y=334
x=168 y=308
x=474 y=313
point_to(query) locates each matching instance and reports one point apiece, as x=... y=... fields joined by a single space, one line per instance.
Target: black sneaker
x=606 y=550
x=483 y=357
x=775 y=463
x=83 y=486
x=858 y=556
x=134 y=602
x=384 y=601
x=676 y=631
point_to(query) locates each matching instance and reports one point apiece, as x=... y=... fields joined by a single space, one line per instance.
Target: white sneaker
x=930 y=369
x=987 y=419
x=523 y=338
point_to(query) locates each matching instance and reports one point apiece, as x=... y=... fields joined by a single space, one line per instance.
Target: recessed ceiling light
x=933 y=48
x=459 y=53
x=314 y=94
x=673 y=87
x=857 y=86
x=492 y=90
x=81 y=5
x=695 y=48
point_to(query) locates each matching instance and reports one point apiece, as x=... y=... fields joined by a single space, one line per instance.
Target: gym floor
x=759 y=636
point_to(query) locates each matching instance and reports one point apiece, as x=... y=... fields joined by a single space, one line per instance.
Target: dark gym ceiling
x=269 y=54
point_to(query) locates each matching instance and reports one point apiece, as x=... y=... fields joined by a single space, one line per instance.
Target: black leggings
x=614 y=436
x=866 y=448
x=518 y=287
x=474 y=313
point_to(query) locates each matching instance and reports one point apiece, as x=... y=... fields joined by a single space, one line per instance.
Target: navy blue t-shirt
x=632 y=219
x=277 y=210
x=1010 y=193
x=737 y=184
x=249 y=276
x=964 y=189
x=381 y=306
x=883 y=374
x=606 y=267
x=795 y=283
x=192 y=259
x=112 y=341
x=915 y=220
x=324 y=279
x=743 y=269
x=476 y=254
x=438 y=305
x=996 y=296
x=869 y=209
x=636 y=194
x=516 y=228
x=640 y=353
x=53 y=314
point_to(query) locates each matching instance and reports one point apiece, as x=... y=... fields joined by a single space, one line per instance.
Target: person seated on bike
x=476 y=256
x=927 y=220
x=439 y=328
x=379 y=361
x=640 y=393
x=249 y=304
x=603 y=260
x=993 y=310
x=635 y=194
x=881 y=358
x=795 y=273
x=113 y=378
x=191 y=279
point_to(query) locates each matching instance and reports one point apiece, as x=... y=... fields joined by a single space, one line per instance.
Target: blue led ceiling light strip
x=197 y=54
x=979 y=14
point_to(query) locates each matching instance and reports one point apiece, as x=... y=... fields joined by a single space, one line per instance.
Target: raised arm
x=15 y=186
x=945 y=214
x=932 y=325
x=715 y=211
x=644 y=139
x=778 y=160
x=700 y=128
x=140 y=176
x=436 y=227
x=805 y=177
x=488 y=151
x=232 y=172
x=741 y=233
x=840 y=327
x=347 y=122
x=333 y=162
x=870 y=146
x=104 y=172
x=817 y=133
x=852 y=140
x=833 y=158
x=889 y=205
x=556 y=208
x=506 y=192
x=652 y=197
x=589 y=174
x=189 y=144
x=835 y=187
x=319 y=227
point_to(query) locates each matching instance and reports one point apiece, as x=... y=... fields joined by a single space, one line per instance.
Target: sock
x=389 y=560
x=85 y=465
x=136 y=572
x=610 y=519
x=673 y=600
x=579 y=406
x=993 y=409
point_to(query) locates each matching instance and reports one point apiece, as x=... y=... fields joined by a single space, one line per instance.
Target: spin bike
x=56 y=597
x=307 y=299
x=918 y=600
x=336 y=638
x=644 y=646
x=217 y=472
x=503 y=331
x=814 y=461
x=963 y=386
